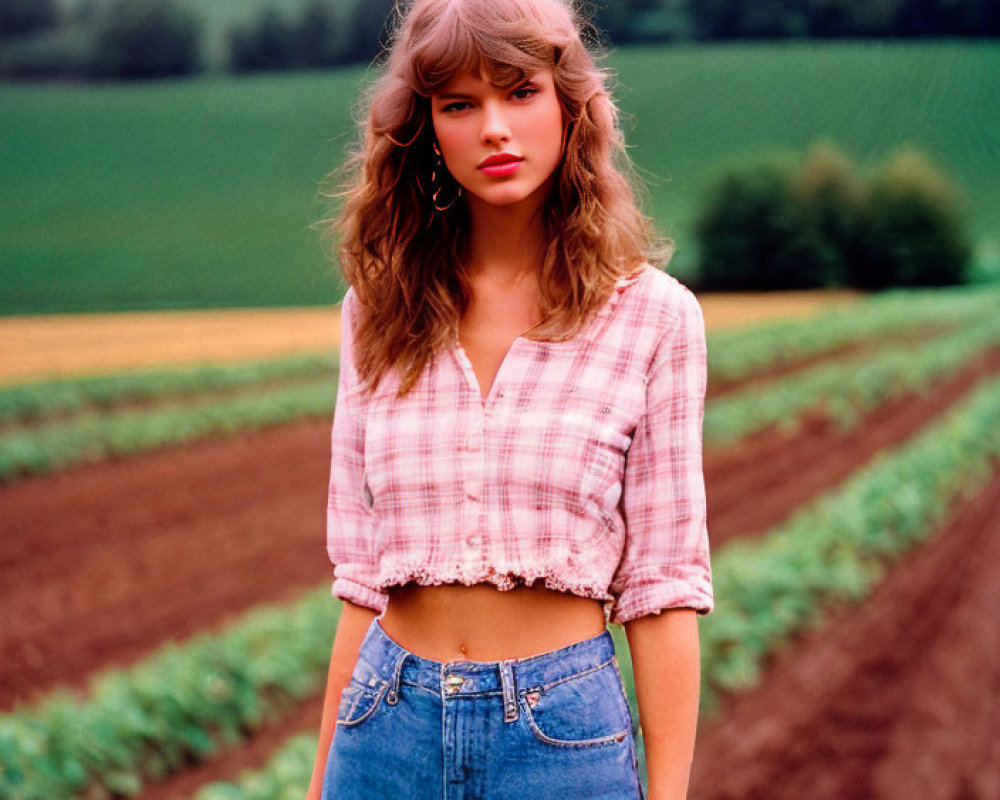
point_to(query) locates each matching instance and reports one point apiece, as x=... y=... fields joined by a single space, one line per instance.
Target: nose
x=495 y=128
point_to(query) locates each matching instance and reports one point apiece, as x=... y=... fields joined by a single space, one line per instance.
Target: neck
x=506 y=243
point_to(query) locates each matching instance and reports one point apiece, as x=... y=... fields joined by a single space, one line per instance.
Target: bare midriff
x=455 y=622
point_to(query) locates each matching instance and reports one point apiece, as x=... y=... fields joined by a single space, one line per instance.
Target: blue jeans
x=552 y=726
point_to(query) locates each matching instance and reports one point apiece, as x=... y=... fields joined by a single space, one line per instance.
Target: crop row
x=179 y=704
x=734 y=354
x=738 y=353
x=34 y=402
x=846 y=390
x=832 y=551
x=94 y=438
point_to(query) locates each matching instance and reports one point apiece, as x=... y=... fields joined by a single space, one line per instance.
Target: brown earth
x=895 y=698
x=59 y=345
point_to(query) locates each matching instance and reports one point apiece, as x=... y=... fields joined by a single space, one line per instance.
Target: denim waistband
x=398 y=665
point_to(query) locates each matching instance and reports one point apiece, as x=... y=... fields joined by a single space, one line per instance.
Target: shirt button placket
x=474 y=469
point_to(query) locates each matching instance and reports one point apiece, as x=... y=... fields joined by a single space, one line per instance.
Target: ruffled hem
x=504 y=581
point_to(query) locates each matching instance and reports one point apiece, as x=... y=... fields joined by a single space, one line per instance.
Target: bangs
x=478 y=37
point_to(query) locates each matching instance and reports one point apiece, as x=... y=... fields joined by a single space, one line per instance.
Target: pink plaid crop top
x=582 y=468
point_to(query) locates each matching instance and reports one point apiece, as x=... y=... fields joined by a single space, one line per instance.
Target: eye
x=458 y=105
x=524 y=92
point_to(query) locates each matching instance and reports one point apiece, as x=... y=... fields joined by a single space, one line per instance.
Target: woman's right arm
x=354 y=623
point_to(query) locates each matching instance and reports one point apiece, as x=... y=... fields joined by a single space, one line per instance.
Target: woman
x=516 y=449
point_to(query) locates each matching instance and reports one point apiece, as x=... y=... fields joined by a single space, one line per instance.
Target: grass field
x=201 y=193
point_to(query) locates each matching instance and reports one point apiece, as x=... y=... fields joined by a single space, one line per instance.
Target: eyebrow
x=460 y=96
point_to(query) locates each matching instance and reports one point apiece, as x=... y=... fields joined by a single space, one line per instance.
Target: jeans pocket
x=582 y=710
x=362 y=696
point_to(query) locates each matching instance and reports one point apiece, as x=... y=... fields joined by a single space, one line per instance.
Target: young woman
x=516 y=448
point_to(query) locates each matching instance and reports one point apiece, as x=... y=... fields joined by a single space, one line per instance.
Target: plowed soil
x=894 y=699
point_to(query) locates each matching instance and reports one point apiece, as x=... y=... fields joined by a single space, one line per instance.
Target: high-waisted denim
x=553 y=726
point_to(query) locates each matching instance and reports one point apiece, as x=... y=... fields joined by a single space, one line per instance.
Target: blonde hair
x=404 y=259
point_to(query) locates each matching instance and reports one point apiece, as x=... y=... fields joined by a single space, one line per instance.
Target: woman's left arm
x=666 y=663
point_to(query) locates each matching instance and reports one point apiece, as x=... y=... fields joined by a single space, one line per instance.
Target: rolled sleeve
x=665 y=561
x=350 y=519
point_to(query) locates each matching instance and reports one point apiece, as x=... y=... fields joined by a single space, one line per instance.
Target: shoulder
x=660 y=303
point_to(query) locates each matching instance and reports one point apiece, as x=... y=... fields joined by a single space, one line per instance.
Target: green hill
x=201 y=192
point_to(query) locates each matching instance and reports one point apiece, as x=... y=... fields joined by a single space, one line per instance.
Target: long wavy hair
x=403 y=258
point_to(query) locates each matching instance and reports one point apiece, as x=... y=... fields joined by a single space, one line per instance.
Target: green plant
x=912 y=227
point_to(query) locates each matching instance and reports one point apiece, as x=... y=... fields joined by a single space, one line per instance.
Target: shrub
x=766 y=225
x=63 y=53
x=830 y=194
x=26 y=17
x=913 y=228
x=147 y=39
x=750 y=231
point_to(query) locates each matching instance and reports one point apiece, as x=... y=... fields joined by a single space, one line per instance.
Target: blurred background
x=168 y=352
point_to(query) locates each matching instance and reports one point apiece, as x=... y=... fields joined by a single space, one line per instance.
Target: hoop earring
x=437 y=185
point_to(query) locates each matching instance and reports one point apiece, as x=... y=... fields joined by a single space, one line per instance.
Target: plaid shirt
x=582 y=467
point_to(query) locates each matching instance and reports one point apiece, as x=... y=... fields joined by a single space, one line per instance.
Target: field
x=854 y=532
x=203 y=193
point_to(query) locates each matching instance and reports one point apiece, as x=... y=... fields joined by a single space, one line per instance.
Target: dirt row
x=893 y=699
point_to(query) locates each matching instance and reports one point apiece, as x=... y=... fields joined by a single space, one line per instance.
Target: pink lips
x=500 y=165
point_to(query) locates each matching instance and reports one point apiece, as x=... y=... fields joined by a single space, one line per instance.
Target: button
x=455 y=680
x=500 y=394
x=472 y=541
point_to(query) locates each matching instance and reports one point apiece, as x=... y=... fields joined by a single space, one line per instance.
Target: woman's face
x=501 y=145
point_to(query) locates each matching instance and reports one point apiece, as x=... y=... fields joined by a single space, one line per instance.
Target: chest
x=489 y=329
x=552 y=434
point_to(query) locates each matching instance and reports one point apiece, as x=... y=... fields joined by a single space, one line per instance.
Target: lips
x=499 y=159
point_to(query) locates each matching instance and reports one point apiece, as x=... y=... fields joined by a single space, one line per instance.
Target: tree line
x=162 y=38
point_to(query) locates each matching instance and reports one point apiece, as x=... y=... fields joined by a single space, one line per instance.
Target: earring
x=437 y=185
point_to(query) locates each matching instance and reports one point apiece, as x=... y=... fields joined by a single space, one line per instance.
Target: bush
x=830 y=194
x=913 y=228
x=750 y=231
x=63 y=53
x=147 y=39
x=26 y=17
x=274 y=43
x=766 y=225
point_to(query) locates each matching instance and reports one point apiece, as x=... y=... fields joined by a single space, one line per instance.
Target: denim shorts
x=554 y=725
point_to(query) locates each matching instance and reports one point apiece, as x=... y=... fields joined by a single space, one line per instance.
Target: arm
x=354 y=623
x=664 y=579
x=666 y=662
x=349 y=533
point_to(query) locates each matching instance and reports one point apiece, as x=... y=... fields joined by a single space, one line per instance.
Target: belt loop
x=397 y=675
x=510 y=711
